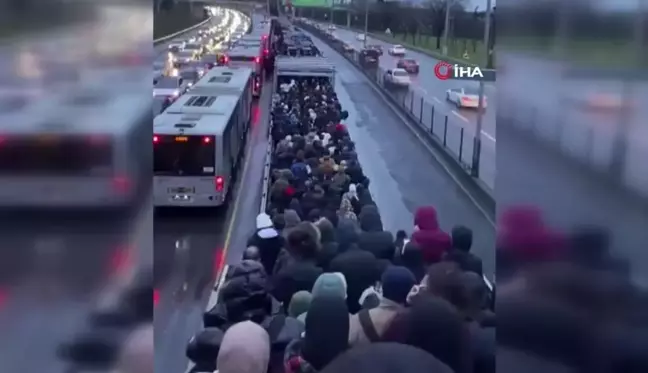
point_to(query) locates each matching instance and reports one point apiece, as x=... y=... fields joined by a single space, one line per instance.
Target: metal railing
x=589 y=139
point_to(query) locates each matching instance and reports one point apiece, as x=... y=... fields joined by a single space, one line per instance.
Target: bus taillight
x=257 y=60
x=219 y=183
x=121 y=184
x=156 y=139
x=206 y=139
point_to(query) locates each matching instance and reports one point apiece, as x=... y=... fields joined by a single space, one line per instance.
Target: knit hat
x=397 y=281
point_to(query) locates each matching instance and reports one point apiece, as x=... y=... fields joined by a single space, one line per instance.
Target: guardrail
x=169 y=37
x=434 y=122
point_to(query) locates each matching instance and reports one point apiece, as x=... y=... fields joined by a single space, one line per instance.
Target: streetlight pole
x=446 y=28
x=366 y=24
x=331 y=15
x=477 y=143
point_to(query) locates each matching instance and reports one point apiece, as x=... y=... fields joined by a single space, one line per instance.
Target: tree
x=436 y=11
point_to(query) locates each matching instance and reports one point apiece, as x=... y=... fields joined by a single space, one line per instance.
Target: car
x=332 y=28
x=361 y=37
x=170 y=86
x=606 y=102
x=176 y=45
x=347 y=48
x=192 y=72
x=377 y=47
x=397 y=77
x=397 y=50
x=197 y=48
x=409 y=65
x=183 y=57
x=161 y=64
x=467 y=97
x=209 y=60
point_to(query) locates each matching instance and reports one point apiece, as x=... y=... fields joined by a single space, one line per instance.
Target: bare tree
x=436 y=12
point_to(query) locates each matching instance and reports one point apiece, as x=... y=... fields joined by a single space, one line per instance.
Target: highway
x=551 y=98
x=433 y=90
x=191 y=248
x=403 y=173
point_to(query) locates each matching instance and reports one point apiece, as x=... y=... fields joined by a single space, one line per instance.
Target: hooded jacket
x=268 y=240
x=373 y=238
x=432 y=241
x=359 y=267
x=329 y=247
x=348 y=233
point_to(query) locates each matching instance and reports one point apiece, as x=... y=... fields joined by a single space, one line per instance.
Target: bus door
x=185 y=170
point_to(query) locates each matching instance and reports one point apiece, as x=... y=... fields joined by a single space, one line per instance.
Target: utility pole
x=477 y=143
x=331 y=14
x=446 y=28
x=366 y=24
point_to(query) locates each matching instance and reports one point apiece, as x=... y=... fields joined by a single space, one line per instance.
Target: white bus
x=78 y=151
x=198 y=145
x=228 y=80
x=251 y=58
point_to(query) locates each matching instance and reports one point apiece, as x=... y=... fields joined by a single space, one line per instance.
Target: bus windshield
x=184 y=155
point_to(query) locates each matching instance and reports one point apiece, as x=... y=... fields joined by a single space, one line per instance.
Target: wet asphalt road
x=403 y=174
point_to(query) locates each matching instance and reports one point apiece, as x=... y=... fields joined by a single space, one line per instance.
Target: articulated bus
x=78 y=151
x=228 y=80
x=198 y=145
x=247 y=57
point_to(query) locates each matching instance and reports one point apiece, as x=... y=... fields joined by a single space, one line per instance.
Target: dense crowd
x=323 y=287
x=321 y=275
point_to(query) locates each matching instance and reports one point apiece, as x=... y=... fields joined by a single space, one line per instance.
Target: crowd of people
x=323 y=287
x=321 y=276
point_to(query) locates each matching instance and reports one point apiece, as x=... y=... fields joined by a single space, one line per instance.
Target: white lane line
x=460 y=116
x=437 y=100
x=488 y=136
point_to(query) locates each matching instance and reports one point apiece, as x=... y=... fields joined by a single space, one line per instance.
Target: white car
x=465 y=97
x=176 y=45
x=170 y=86
x=398 y=77
x=332 y=28
x=397 y=50
x=361 y=37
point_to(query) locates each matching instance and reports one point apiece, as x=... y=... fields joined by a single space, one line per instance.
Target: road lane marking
x=488 y=136
x=437 y=100
x=460 y=116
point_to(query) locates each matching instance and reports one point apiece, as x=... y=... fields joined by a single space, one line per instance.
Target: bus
x=80 y=151
x=198 y=146
x=247 y=57
x=228 y=80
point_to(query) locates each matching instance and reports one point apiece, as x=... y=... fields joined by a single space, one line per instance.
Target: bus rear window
x=56 y=155
x=184 y=155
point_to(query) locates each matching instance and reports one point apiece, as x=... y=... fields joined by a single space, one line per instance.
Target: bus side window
x=226 y=151
x=235 y=138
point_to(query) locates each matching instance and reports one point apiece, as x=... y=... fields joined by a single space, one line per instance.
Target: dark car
x=209 y=60
x=409 y=65
x=369 y=58
x=377 y=48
